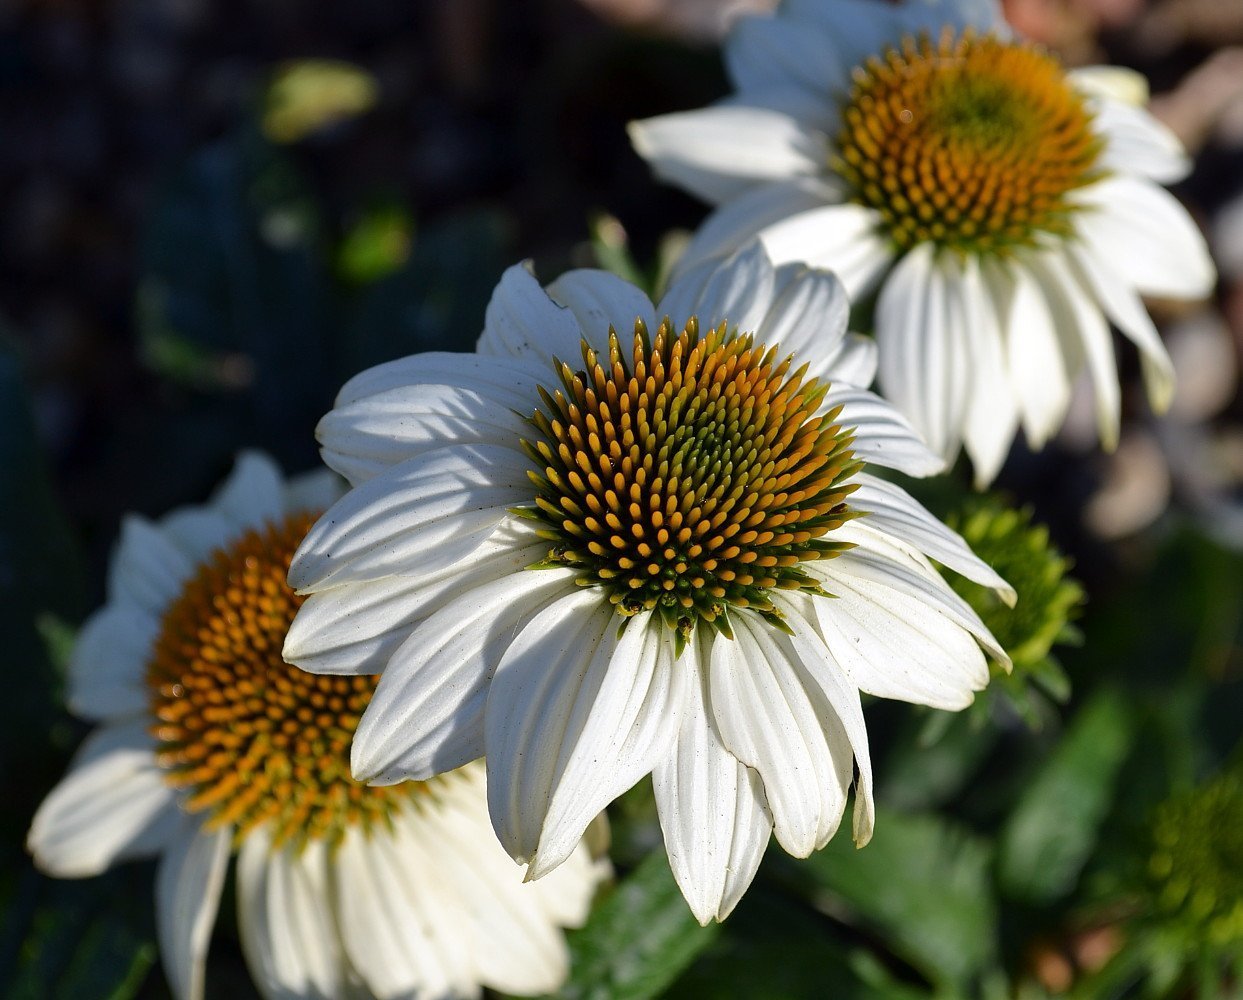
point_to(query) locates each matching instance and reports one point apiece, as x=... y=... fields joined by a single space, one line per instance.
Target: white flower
x=1004 y=210
x=593 y=575
x=210 y=742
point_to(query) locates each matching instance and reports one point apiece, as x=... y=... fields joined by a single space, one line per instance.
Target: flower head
x=665 y=556
x=211 y=742
x=1003 y=209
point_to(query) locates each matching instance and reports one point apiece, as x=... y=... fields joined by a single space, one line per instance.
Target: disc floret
x=970 y=142
x=690 y=475
x=249 y=738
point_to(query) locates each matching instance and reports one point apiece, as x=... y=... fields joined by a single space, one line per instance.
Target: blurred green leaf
x=933 y=758
x=1048 y=838
x=638 y=940
x=922 y=883
x=378 y=244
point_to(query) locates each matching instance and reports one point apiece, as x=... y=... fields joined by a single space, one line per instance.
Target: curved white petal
x=1147 y=236
x=363 y=439
x=807 y=318
x=737 y=289
x=924 y=366
x=882 y=434
x=532 y=704
x=721 y=151
x=742 y=219
x=623 y=720
x=763 y=51
x=600 y=300
x=817 y=111
x=505 y=379
x=774 y=720
x=198 y=531
x=254 y=492
x=114 y=804
x=188 y=884
x=426 y=715
x=523 y=322
x=894 y=511
x=711 y=807
x=418 y=517
x=291 y=944
x=313 y=492
x=1124 y=307
x=355 y=629
x=1137 y=143
x=844 y=238
x=147 y=569
x=107 y=669
x=860 y=28
x=1116 y=83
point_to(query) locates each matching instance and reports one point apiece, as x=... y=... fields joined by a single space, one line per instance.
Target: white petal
x=742 y=219
x=398 y=918
x=622 y=721
x=418 y=517
x=426 y=715
x=1124 y=307
x=355 y=629
x=107 y=670
x=894 y=511
x=503 y=378
x=114 y=804
x=882 y=434
x=254 y=492
x=198 y=531
x=772 y=721
x=1038 y=369
x=843 y=238
x=720 y=152
x=362 y=439
x=1116 y=83
x=188 y=884
x=819 y=111
x=712 y=812
x=763 y=51
x=523 y=322
x=599 y=300
x=1147 y=236
x=291 y=945
x=147 y=569
x=924 y=365
x=807 y=317
x=531 y=707
x=1137 y=143
x=992 y=414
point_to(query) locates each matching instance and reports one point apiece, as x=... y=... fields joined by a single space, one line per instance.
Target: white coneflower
x=659 y=553
x=210 y=742
x=1005 y=210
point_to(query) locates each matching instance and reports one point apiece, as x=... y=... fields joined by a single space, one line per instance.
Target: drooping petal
x=188 y=884
x=426 y=715
x=719 y=152
x=107 y=668
x=600 y=300
x=763 y=51
x=712 y=811
x=531 y=708
x=882 y=434
x=624 y=718
x=523 y=322
x=418 y=517
x=1147 y=236
x=894 y=511
x=114 y=804
x=844 y=238
x=291 y=943
x=254 y=492
x=1137 y=143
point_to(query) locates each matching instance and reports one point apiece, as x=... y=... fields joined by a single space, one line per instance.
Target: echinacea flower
x=1004 y=210
x=622 y=539
x=210 y=742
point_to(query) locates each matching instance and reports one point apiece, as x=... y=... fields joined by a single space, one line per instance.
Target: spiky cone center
x=247 y=737
x=968 y=142
x=689 y=475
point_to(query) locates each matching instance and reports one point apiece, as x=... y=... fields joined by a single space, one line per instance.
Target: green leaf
x=934 y=758
x=922 y=883
x=638 y=940
x=1048 y=838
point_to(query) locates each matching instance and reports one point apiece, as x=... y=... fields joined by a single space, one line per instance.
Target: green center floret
x=693 y=476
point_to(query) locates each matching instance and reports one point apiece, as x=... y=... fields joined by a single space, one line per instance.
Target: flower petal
x=188 y=884
x=1115 y=83
x=108 y=666
x=147 y=569
x=712 y=812
x=763 y=51
x=600 y=300
x=844 y=238
x=426 y=715
x=291 y=944
x=721 y=151
x=523 y=322
x=254 y=492
x=532 y=706
x=1136 y=142
x=420 y=516
x=882 y=434
x=313 y=492
x=198 y=531
x=737 y=289
x=114 y=804
x=623 y=720
x=506 y=379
